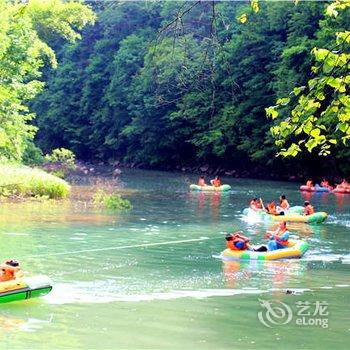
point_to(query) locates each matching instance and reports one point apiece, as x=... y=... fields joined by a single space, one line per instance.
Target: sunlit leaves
x=321 y=113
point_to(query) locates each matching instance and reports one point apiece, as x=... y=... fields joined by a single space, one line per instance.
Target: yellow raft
x=194 y=187
x=295 y=249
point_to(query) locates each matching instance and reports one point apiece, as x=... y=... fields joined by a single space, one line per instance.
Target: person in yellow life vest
x=284 y=205
x=308 y=208
x=278 y=238
x=236 y=241
x=216 y=182
x=9 y=270
x=271 y=208
x=201 y=181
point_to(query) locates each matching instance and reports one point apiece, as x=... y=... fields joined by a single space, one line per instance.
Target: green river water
x=116 y=287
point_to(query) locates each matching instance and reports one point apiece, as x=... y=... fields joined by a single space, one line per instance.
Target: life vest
x=278 y=237
x=216 y=183
x=8 y=273
x=309 y=210
x=235 y=239
x=201 y=182
x=271 y=208
x=281 y=242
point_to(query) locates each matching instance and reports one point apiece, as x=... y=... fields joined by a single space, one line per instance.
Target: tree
x=23 y=53
x=320 y=116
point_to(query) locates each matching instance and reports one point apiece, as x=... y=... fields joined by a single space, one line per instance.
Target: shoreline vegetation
x=20 y=181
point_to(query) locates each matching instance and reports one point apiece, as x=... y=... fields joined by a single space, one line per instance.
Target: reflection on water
x=152 y=269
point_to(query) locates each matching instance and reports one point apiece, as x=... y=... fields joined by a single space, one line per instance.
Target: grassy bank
x=23 y=181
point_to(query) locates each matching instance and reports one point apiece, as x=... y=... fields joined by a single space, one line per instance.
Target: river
x=151 y=278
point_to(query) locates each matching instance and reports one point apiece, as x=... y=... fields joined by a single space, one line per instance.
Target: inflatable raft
x=293 y=215
x=210 y=188
x=24 y=288
x=342 y=190
x=295 y=249
x=316 y=188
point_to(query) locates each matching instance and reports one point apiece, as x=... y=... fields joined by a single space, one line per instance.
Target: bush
x=19 y=180
x=63 y=156
x=32 y=155
x=111 y=201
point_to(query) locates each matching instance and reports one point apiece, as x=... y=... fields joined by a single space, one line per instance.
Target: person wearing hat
x=308 y=208
x=9 y=270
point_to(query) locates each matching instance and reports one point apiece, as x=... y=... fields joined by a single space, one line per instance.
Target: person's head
x=201 y=177
x=306 y=203
x=255 y=199
x=13 y=263
x=217 y=178
x=229 y=237
x=283 y=197
x=272 y=203
x=283 y=224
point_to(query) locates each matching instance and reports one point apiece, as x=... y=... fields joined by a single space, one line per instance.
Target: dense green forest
x=168 y=84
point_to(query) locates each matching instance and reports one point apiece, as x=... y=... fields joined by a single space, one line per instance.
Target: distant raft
x=194 y=187
x=293 y=215
x=316 y=188
x=24 y=288
x=296 y=249
x=341 y=190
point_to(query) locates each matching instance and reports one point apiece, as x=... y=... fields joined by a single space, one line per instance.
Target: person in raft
x=255 y=204
x=278 y=238
x=216 y=182
x=236 y=241
x=201 y=181
x=284 y=205
x=9 y=270
x=325 y=184
x=272 y=209
x=344 y=184
x=309 y=183
x=308 y=208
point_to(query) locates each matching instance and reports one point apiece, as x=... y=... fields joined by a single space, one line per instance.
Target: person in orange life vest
x=9 y=270
x=236 y=241
x=284 y=205
x=271 y=208
x=201 y=181
x=344 y=184
x=216 y=182
x=309 y=183
x=278 y=238
x=255 y=204
x=325 y=184
x=308 y=208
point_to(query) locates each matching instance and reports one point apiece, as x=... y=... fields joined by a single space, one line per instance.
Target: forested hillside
x=168 y=84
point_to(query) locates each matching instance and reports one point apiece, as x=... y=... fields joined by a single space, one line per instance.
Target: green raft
x=194 y=187
x=24 y=288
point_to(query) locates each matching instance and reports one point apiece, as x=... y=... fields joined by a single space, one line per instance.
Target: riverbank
x=19 y=181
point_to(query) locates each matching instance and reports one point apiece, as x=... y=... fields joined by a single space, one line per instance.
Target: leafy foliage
x=320 y=117
x=178 y=83
x=111 y=201
x=24 y=31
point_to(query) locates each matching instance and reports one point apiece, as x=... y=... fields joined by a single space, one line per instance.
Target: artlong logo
x=275 y=313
